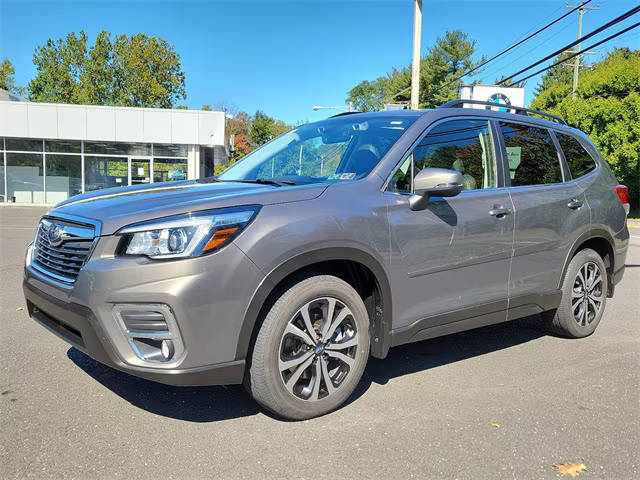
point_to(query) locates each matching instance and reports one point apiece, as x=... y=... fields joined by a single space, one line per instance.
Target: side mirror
x=438 y=182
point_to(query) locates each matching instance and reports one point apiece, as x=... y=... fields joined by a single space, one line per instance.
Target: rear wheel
x=584 y=296
x=311 y=350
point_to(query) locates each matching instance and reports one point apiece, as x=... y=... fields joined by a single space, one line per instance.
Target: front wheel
x=584 y=296
x=311 y=350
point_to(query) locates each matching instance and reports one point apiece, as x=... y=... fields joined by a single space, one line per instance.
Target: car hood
x=116 y=207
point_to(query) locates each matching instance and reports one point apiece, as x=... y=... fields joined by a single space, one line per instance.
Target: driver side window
x=462 y=145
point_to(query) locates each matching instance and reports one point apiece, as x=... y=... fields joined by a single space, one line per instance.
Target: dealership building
x=50 y=152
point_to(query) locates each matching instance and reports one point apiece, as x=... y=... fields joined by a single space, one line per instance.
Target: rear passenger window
x=462 y=145
x=579 y=161
x=533 y=158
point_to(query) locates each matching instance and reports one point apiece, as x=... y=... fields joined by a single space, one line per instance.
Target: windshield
x=342 y=148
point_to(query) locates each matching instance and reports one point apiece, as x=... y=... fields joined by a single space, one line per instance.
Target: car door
x=451 y=260
x=550 y=212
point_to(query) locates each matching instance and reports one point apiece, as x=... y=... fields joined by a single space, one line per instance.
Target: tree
x=367 y=96
x=607 y=109
x=206 y=107
x=136 y=70
x=7 y=81
x=561 y=73
x=264 y=128
x=449 y=58
x=240 y=127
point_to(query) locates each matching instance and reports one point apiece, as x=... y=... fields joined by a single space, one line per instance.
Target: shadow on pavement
x=211 y=404
x=193 y=404
x=428 y=354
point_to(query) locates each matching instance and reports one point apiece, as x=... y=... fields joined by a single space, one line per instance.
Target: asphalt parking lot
x=499 y=402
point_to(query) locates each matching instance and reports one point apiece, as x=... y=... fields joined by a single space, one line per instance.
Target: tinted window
x=580 y=162
x=23 y=144
x=533 y=158
x=462 y=145
x=62 y=146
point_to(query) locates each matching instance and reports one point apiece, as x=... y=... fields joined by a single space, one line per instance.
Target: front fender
x=380 y=340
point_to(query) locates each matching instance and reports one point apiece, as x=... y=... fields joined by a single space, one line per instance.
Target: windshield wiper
x=266 y=181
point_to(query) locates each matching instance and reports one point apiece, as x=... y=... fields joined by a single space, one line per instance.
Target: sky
x=285 y=57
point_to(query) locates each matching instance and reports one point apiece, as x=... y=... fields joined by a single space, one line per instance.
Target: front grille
x=61 y=254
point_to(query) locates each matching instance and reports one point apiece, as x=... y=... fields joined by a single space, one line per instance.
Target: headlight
x=188 y=235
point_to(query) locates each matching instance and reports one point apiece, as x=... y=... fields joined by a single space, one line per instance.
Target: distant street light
x=335 y=107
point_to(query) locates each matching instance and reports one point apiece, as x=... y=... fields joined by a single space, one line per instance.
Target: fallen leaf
x=496 y=425
x=19 y=309
x=572 y=469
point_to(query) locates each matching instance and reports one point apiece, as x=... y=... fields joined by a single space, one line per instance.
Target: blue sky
x=284 y=57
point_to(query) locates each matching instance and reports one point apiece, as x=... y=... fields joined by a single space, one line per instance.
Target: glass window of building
x=25 y=177
x=169 y=169
x=114 y=148
x=105 y=172
x=169 y=150
x=23 y=144
x=62 y=146
x=64 y=177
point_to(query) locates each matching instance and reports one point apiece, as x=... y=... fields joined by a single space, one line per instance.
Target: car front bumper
x=208 y=297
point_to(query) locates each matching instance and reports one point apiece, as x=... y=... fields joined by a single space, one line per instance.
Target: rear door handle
x=574 y=204
x=499 y=211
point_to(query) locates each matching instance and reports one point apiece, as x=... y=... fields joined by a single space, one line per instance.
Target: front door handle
x=574 y=204
x=499 y=211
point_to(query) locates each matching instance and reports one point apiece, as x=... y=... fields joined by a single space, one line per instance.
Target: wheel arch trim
x=593 y=234
x=381 y=337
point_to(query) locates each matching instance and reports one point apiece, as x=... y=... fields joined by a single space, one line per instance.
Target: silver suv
x=334 y=242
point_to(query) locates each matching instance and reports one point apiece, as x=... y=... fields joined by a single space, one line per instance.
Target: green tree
x=562 y=73
x=264 y=128
x=7 y=81
x=367 y=96
x=449 y=58
x=60 y=65
x=206 y=107
x=607 y=109
x=136 y=70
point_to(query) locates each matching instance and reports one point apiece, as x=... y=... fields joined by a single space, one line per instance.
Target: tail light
x=623 y=194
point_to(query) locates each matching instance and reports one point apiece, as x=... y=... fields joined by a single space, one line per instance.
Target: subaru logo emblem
x=55 y=235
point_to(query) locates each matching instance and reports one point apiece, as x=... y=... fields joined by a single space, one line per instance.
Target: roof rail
x=519 y=110
x=341 y=114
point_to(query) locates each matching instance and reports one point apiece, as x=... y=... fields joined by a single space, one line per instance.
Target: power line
x=494 y=71
x=520 y=42
x=616 y=20
x=610 y=37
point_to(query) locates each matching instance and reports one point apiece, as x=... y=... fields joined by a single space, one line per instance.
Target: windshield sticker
x=347 y=176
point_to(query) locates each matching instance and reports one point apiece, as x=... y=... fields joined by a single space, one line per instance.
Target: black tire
x=266 y=382
x=566 y=320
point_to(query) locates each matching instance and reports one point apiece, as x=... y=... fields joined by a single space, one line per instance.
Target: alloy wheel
x=587 y=294
x=318 y=349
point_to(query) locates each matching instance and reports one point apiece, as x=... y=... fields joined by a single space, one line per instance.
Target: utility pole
x=415 y=66
x=576 y=63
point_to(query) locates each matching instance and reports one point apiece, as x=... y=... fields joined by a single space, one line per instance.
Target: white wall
x=116 y=124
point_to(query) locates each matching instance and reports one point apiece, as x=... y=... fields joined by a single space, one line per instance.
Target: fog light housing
x=152 y=333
